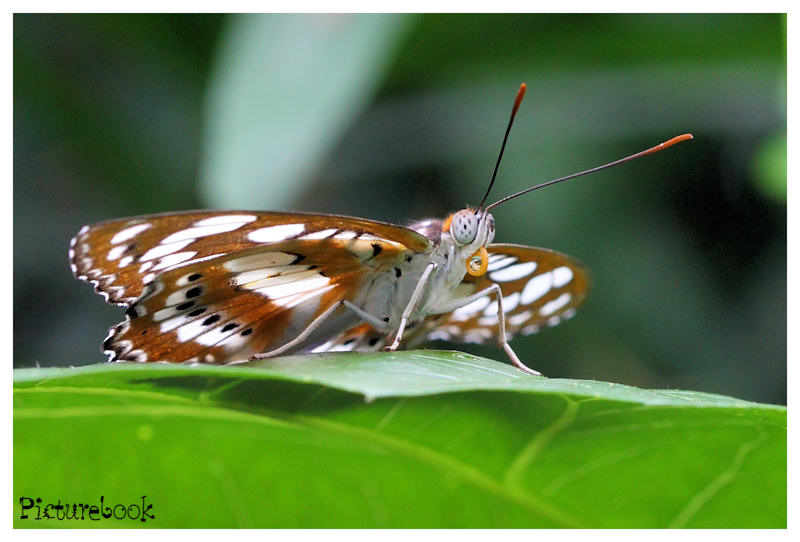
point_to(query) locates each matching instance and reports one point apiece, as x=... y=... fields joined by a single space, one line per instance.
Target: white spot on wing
x=331 y=346
x=561 y=276
x=499 y=261
x=174 y=259
x=536 y=288
x=159 y=251
x=274 y=234
x=362 y=248
x=438 y=335
x=259 y=261
x=488 y=320
x=322 y=234
x=235 y=340
x=292 y=301
x=345 y=235
x=176 y=297
x=344 y=347
x=323 y=347
x=172 y=323
x=201 y=231
x=513 y=272
x=215 y=336
x=253 y=280
x=163 y=314
x=295 y=287
x=510 y=302
x=552 y=306
x=191 y=330
x=128 y=233
x=116 y=252
x=519 y=319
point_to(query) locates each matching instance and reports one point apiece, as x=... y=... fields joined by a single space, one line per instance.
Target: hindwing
x=540 y=288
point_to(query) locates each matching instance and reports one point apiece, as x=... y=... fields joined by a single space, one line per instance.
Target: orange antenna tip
x=520 y=94
x=668 y=143
x=677 y=139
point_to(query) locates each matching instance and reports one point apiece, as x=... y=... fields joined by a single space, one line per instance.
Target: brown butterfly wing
x=118 y=256
x=540 y=288
x=218 y=287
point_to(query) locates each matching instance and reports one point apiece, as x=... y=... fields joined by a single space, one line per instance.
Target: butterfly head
x=471 y=231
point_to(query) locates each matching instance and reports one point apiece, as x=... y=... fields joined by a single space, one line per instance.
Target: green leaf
x=407 y=439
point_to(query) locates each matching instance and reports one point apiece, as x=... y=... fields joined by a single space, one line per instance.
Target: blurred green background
x=399 y=117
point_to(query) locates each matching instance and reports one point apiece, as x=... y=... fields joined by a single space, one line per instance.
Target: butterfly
x=228 y=286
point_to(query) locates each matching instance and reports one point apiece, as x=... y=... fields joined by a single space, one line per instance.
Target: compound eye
x=464 y=227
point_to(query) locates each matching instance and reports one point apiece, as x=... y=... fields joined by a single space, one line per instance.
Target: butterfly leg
x=501 y=318
x=412 y=304
x=372 y=320
x=300 y=338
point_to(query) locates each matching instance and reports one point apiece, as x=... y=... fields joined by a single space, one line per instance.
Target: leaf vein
x=724 y=478
x=539 y=442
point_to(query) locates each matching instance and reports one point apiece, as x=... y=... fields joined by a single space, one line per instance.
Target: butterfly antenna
x=651 y=150
x=517 y=101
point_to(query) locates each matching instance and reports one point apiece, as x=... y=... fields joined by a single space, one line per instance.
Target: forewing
x=540 y=288
x=118 y=257
x=217 y=287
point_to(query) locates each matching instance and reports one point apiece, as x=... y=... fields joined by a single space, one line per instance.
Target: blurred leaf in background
x=401 y=117
x=271 y=118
